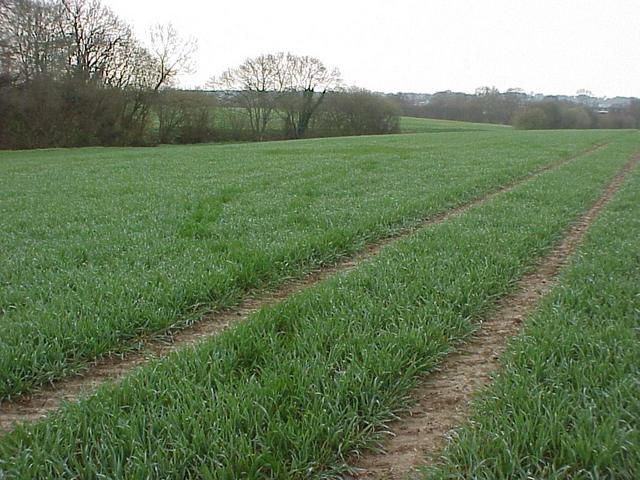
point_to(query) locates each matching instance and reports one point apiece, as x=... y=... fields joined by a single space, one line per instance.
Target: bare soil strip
x=442 y=401
x=29 y=408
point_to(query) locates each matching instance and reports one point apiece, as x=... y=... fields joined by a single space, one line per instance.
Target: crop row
x=566 y=403
x=300 y=386
x=101 y=246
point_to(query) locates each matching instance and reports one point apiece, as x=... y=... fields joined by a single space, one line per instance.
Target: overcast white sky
x=548 y=46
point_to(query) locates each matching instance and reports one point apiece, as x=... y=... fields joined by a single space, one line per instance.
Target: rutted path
x=442 y=401
x=32 y=407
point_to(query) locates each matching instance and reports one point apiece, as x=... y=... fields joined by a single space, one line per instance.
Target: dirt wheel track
x=29 y=408
x=442 y=401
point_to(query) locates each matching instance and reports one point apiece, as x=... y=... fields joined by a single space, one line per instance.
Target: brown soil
x=29 y=408
x=442 y=401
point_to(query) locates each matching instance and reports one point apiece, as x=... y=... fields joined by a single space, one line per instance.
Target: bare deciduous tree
x=172 y=53
x=255 y=83
x=294 y=86
x=307 y=82
x=97 y=39
x=80 y=39
x=31 y=44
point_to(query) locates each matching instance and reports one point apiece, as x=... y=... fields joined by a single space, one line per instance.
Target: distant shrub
x=617 y=120
x=62 y=113
x=531 y=118
x=576 y=117
x=184 y=116
x=357 y=112
x=553 y=114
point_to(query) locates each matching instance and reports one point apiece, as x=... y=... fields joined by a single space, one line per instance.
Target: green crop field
x=104 y=246
x=428 y=125
x=567 y=404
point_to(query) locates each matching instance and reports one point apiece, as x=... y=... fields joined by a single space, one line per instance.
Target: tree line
x=292 y=96
x=555 y=114
x=514 y=107
x=72 y=73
